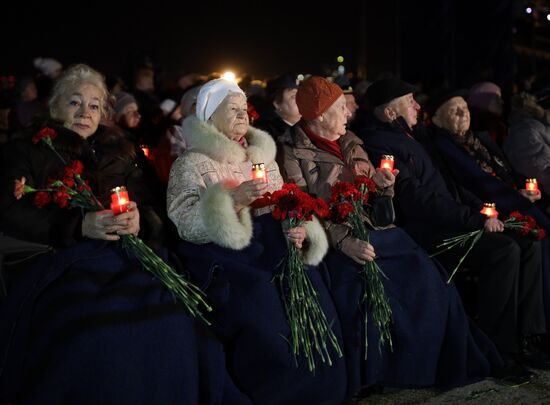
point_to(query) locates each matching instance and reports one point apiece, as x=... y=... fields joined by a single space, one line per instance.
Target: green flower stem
x=471 y=237
x=309 y=328
x=374 y=295
x=189 y=294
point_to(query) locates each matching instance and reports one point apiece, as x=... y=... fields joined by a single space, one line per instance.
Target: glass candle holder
x=259 y=172
x=119 y=200
x=531 y=185
x=386 y=162
x=489 y=210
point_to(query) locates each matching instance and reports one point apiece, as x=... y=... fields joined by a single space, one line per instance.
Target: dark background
x=432 y=41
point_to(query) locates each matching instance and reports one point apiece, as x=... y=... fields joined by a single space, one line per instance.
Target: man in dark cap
x=509 y=304
x=281 y=95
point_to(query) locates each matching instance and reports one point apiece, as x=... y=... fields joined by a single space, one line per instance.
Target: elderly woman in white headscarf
x=235 y=251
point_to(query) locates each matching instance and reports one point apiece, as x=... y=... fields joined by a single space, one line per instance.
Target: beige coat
x=316 y=170
x=198 y=200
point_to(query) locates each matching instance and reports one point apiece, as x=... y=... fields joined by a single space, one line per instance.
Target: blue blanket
x=87 y=325
x=249 y=318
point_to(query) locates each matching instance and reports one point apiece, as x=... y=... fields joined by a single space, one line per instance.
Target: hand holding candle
x=386 y=162
x=119 y=200
x=489 y=210
x=259 y=172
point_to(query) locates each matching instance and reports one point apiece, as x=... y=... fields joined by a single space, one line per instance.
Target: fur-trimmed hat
x=315 y=95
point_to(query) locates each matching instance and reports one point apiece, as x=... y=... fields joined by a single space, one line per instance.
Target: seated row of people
x=86 y=324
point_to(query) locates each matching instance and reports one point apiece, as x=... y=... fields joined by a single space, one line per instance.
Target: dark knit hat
x=385 y=90
x=284 y=81
x=315 y=95
x=441 y=96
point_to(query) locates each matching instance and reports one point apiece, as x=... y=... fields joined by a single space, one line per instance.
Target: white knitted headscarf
x=211 y=96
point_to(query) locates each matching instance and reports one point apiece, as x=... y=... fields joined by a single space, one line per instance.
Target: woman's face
x=130 y=116
x=82 y=110
x=453 y=116
x=335 y=119
x=231 y=116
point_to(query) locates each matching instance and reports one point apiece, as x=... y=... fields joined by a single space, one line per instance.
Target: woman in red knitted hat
x=432 y=342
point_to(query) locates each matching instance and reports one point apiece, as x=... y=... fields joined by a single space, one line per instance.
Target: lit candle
x=119 y=200
x=258 y=171
x=145 y=150
x=386 y=162
x=531 y=185
x=489 y=210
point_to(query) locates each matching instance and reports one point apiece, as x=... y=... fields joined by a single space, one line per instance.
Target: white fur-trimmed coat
x=197 y=198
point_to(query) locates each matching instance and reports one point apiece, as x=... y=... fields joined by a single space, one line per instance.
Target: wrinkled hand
x=297 y=236
x=493 y=225
x=384 y=177
x=359 y=250
x=127 y=223
x=247 y=191
x=106 y=225
x=531 y=195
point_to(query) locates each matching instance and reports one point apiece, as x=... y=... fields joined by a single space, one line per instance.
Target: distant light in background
x=300 y=78
x=528 y=10
x=340 y=59
x=548 y=17
x=229 y=76
x=341 y=70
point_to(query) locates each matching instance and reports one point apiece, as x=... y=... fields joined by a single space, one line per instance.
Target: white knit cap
x=211 y=96
x=47 y=66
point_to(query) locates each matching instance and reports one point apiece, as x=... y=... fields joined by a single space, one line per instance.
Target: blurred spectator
x=485 y=104
x=281 y=94
x=26 y=107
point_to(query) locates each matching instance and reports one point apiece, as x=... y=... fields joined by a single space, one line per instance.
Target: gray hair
x=70 y=81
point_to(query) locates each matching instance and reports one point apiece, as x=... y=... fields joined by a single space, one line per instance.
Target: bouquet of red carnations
x=347 y=203
x=524 y=224
x=310 y=329
x=73 y=191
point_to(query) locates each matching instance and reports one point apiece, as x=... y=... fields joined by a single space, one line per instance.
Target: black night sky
x=457 y=41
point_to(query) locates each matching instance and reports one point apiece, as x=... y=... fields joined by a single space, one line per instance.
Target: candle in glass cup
x=119 y=200
x=259 y=172
x=386 y=162
x=145 y=150
x=489 y=210
x=531 y=185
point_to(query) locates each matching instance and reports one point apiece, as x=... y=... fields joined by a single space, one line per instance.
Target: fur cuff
x=318 y=242
x=222 y=224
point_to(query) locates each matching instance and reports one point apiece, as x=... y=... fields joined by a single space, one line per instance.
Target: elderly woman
x=476 y=162
x=432 y=343
x=84 y=323
x=236 y=252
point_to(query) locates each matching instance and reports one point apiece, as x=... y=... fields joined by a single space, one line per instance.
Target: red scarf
x=331 y=147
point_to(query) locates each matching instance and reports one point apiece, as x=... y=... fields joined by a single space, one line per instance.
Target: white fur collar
x=204 y=138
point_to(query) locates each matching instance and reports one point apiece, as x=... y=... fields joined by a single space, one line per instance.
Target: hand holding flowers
x=311 y=331
x=72 y=191
x=347 y=204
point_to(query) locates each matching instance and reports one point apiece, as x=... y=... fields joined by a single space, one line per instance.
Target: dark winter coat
x=109 y=161
x=426 y=208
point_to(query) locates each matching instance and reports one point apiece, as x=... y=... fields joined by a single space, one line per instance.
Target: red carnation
x=41 y=198
x=45 y=133
x=263 y=201
x=61 y=198
x=344 y=190
x=321 y=208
